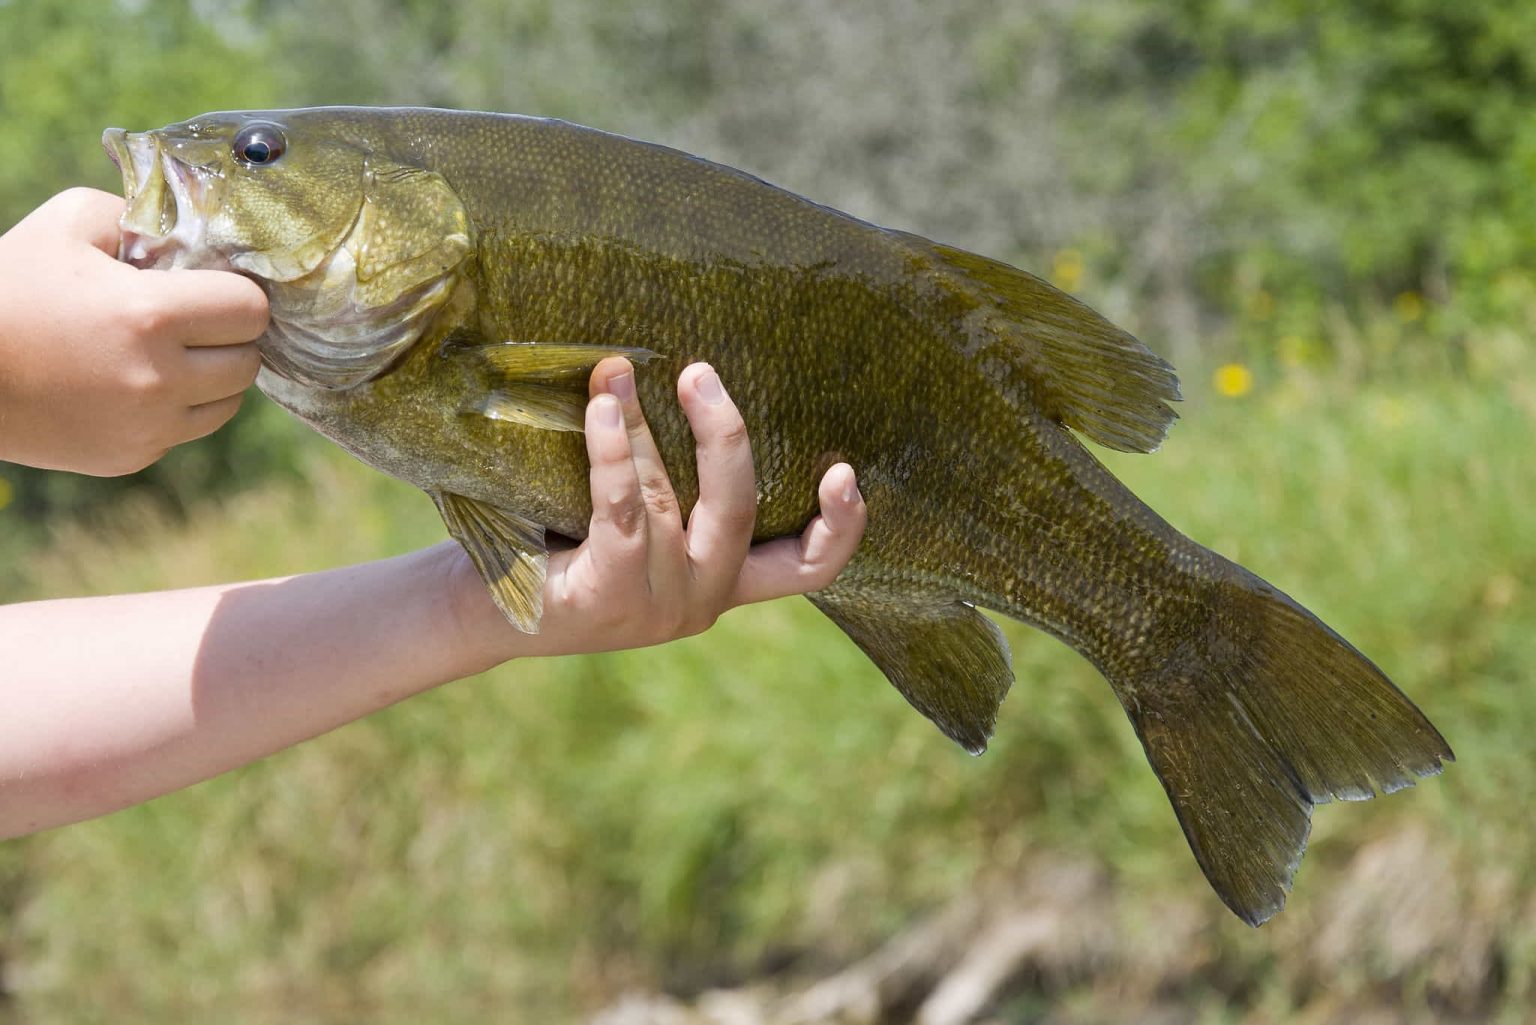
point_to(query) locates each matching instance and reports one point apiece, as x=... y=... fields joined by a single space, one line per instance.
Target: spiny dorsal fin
x=536 y=384
x=949 y=661
x=506 y=548
x=1089 y=374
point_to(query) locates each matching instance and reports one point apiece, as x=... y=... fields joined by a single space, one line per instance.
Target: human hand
x=642 y=577
x=104 y=367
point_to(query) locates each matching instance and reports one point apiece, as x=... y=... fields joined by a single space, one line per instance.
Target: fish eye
x=258 y=145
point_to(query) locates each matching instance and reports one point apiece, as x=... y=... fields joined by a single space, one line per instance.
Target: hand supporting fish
x=679 y=576
x=442 y=284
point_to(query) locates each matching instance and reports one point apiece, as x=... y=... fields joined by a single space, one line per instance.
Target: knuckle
x=698 y=621
x=627 y=514
x=254 y=308
x=733 y=435
x=126 y=461
x=146 y=318
x=589 y=601
x=817 y=575
x=660 y=498
x=145 y=382
x=674 y=621
x=79 y=202
x=73 y=199
x=219 y=414
x=253 y=360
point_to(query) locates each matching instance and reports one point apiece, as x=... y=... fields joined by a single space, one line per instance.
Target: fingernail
x=710 y=389
x=849 y=490
x=622 y=387
x=609 y=412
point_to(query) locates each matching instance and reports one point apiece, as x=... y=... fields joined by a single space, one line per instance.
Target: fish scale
x=957 y=386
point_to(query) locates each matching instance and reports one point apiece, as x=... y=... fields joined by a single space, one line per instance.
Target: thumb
x=86 y=215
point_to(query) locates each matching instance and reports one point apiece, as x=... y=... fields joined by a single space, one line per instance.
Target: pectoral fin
x=535 y=405
x=949 y=661
x=537 y=384
x=552 y=361
x=507 y=549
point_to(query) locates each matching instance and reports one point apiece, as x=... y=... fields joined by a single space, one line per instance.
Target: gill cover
x=348 y=317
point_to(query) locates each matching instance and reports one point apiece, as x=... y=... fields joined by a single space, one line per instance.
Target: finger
x=720 y=526
x=204 y=419
x=88 y=215
x=616 y=537
x=220 y=370
x=667 y=556
x=815 y=558
x=212 y=307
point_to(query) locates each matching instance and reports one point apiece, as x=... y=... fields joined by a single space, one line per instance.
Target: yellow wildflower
x=7 y=493
x=1233 y=380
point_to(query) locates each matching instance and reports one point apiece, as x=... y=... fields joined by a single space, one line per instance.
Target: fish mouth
x=164 y=222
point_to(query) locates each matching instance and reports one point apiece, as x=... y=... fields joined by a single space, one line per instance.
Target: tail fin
x=1265 y=714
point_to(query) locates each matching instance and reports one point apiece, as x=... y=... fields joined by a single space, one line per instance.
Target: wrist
x=481 y=636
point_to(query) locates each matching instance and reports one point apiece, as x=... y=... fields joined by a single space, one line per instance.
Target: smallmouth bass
x=442 y=282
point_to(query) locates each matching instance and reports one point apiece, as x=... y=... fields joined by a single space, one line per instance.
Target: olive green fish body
x=441 y=283
x=655 y=249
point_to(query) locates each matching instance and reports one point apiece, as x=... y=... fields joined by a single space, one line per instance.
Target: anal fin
x=949 y=661
x=506 y=548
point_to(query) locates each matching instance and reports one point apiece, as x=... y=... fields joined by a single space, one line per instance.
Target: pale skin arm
x=108 y=702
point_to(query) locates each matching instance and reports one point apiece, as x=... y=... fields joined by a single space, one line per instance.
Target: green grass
x=548 y=834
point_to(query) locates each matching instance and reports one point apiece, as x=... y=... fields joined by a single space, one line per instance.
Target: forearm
x=159 y=691
x=105 y=702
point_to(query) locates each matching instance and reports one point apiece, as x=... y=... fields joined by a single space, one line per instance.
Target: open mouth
x=163 y=223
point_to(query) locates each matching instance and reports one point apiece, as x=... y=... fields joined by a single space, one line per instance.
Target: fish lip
x=166 y=200
x=115 y=142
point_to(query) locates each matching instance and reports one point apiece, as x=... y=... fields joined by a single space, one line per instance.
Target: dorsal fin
x=1087 y=373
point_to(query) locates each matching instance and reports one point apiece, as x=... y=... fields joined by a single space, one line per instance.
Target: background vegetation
x=1324 y=213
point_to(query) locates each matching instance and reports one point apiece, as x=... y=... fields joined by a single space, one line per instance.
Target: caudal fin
x=1265 y=714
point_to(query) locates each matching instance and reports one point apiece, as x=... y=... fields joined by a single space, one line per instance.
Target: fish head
x=355 y=249
x=231 y=192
